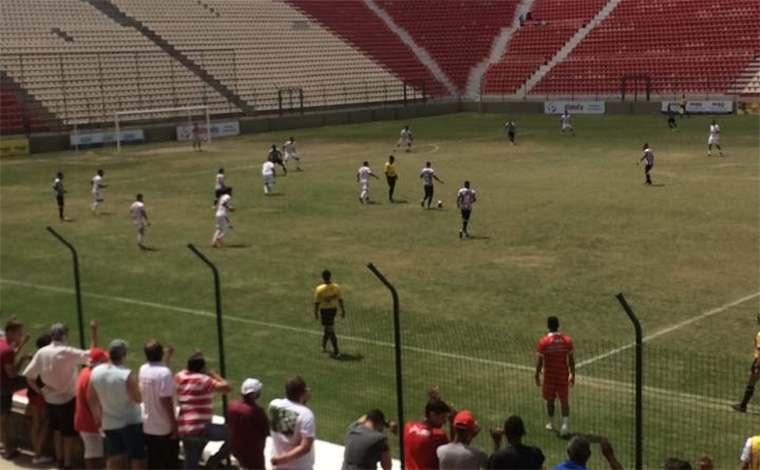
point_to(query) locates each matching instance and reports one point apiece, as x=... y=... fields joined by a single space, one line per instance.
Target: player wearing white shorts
x=223 y=224
x=714 y=139
x=567 y=125
x=268 y=175
x=139 y=219
x=97 y=195
x=290 y=153
x=362 y=176
x=406 y=139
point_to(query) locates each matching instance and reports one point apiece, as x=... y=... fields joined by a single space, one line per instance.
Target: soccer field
x=560 y=226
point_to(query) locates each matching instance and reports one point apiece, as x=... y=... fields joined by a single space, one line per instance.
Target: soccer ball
x=440 y=204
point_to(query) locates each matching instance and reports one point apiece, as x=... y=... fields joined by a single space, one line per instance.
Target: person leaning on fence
x=56 y=364
x=159 y=424
x=422 y=439
x=366 y=445
x=249 y=426
x=751 y=454
x=10 y=379
x=516 y=455
x=293 y=428
x=459 y=454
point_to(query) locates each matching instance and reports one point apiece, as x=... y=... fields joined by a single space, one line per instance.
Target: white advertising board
x=218 y=129
x=99 y=139
x=574 y=107
x=701 y=107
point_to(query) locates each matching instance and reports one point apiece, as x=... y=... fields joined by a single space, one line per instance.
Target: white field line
x=669 y=329
x=614 y=385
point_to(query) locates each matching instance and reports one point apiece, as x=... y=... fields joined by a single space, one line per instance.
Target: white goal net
x=188 y=114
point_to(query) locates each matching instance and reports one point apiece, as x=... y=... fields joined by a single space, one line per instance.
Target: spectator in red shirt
x=555 y=357
x=10 y=381
x=249 y=426
x=84 y=422
x=421 y=440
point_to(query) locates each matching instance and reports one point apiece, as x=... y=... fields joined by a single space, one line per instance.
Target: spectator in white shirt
x=292 y=428
x=159 y=422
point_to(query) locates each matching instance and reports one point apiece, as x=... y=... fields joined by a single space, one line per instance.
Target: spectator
x=751 y=454
x=529 y=16
x=706 y=463
x=249 y=426
x=458 y=454
x=422 y=439
x=516 y=455
x=292 y=428
x=195 y=389
x=366 y=445
x=579 y=451
x=39 y=431
x=114 y=397
x=84 y=421
x=159 y=424
x=674 y=463
x=10 y=381
x=56 y=364
x=521 y=19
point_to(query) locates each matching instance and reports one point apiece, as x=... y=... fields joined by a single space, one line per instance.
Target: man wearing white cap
x=249 y=426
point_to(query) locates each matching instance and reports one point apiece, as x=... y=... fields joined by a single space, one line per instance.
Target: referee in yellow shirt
x=391 y=176
x=327 y=299
x=754 y=375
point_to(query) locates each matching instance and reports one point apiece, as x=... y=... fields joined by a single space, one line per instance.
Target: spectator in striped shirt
x=195 y=394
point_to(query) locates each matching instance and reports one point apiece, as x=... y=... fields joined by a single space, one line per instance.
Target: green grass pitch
x=561 y=225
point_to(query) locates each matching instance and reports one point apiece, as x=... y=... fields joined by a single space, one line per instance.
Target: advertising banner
x=218 y=129
x=14 y=146
x=99 y=139
x=574 y=107
x=701 y=107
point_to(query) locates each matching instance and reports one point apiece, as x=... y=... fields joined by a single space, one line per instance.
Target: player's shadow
x=657 y=185
x=148 y=248
x=238 y=245
x=478 y=237
x=348 y=357
x=592 y=438
x=107 y=213
x=400 y=201
x=275 y=194
x=373 y=203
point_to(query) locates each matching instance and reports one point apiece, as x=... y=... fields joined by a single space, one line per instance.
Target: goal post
x=187 y=110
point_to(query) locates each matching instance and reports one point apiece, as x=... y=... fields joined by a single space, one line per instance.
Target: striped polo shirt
x=195 y=396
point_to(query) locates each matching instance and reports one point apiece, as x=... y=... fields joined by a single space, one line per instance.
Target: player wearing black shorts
x=672 y=119
x=465 y=199
x=275 y=156
x=59 y=192
x=648 y=159
x=327 y=300
x=754 y=375
x=511 y=130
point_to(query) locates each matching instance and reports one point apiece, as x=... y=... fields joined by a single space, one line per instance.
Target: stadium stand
x=683 y=45
x=85 y=67
x=275 y=47
x=443 y=28
x=16 y=118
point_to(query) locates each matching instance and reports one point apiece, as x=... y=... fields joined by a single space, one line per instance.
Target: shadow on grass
x=238 y=245
x=658 y=185
x=274 y=194
x=478 y=237
x=148 y=248
x=107 y=214
x=400 y=201
x=348 y=357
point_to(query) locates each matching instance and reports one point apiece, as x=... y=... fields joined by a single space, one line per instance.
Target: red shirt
x=7 y=357
x=83 y=419
x=196 y=405
x=420 y=444
x=555 y=348
x=249 y=428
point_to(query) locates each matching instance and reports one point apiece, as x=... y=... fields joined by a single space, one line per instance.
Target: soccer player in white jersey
x=567 y=125
x=405 y=139
x=428 y=176
x=465 y=199
x=714 y=139
x=139 y=219
x=97 y=195
x=268 y=175
x=362 y=176
x=219 y=186
x=223 y=224
x=290 y=153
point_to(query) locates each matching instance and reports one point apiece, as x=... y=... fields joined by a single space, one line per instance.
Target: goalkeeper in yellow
x=754 y=375
x=327 y=299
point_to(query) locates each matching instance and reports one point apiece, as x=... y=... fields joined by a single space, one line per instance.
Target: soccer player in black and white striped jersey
x=648 y=159
x=465 y=199
x=59 y=192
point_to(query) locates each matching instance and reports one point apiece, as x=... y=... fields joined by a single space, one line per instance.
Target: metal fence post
x=399 y=376
x=77 y=288
x=638 y=450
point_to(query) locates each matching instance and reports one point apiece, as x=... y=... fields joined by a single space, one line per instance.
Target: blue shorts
x=129 y=441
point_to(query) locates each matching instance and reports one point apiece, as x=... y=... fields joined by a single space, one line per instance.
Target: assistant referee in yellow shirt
x=391 y=176
x=327 y=299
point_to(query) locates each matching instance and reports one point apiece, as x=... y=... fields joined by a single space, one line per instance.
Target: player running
x=275 y=156
x=648 y=159
x=567 y=125
x=327 y=299
x=391 y=176
x=290 y=153
x=465 y=199
x=405 y=139
x=714 y=139
x=555 y=357
x=511 y=130
x=223 y=224
x=362 y=176
x=754 y=375
x=197 y=139
x=671 y=118
x=97 y=195
x=268 y=175
x=428 y=176
x=139 y=219
x=59 y=192
x=219 y=186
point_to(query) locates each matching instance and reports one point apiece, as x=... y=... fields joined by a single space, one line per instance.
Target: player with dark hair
x=567 y=124
x=362 y=176
x=428 y=175
x=223 y=224
x=671 y=118
x=97 y=195
x=391 y=176
x=714 y=139
x=275 y=156
x=327 y=299
x=555 y=357
x=511 y=130
x=139 y=219
x=648 y=159
x=465 y=199
x=405 y=139
x=754 y=375
x=422 y=439
x=219 y=186
x=59 y=192
x=197 y=139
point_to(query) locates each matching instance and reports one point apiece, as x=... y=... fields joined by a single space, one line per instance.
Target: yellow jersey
x=390 y=169
x=327 y=296
x=754 y=452
x=757 y=345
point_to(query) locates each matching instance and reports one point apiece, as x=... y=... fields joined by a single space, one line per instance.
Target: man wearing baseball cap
x=458 y=454
x=248 y=425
